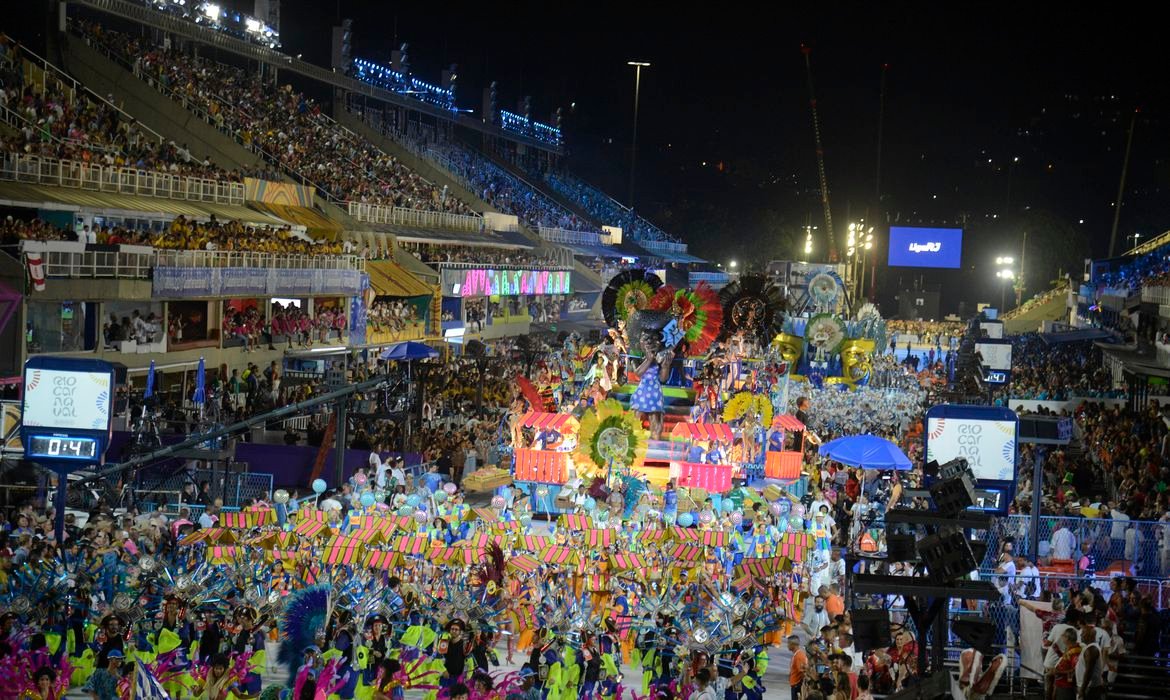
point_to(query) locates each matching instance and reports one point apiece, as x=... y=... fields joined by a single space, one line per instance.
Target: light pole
x=638 y=66
x=1135 y=238
x=1006 y=274
x=808 y=241
x=859 y=240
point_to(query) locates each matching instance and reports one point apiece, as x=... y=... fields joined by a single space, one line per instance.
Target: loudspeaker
x=953 y=495
x=977 y=633
x=871 y=629
x=900 y=548
x=947 y=556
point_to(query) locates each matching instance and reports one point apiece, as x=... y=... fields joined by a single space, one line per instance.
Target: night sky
x=966 y=85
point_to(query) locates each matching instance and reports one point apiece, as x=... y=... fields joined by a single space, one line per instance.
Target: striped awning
x=506 y=525
x=787 y=421
x=311 y=513
x=795 y=545
x=525 y=563
x=342 y=551
x=702 y=431
x=312 y=528
x=558 y=555
x=382 y=561
x=714 y=538
x=461 y=555
x=275 y=540
x=756 y=566
x=599 y=538
x=209 y=535
x=283 y=554
x=655 y=535
x=576 y=522
x=685 y=534
x=411 y=544
x=221 y=555
x=487 y=515
x=560 y=422
x=371 y=537
x=535 y=543
x=685 y=552
x=627 y=561
x=389 y=279
x=482 y=540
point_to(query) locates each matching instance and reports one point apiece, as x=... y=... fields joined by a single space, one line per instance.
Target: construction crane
x=812 y=101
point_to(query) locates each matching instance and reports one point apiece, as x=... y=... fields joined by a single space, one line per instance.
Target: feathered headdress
x=305 y=614
x=698 y=311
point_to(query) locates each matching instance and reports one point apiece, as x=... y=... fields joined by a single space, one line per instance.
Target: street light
x=733 y=264
x=808 y=241
x=1005 y=274
x=1135 y=238
x=638 y=66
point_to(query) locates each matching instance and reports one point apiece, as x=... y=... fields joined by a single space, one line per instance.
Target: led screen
x=925 y=247
x=989 y=446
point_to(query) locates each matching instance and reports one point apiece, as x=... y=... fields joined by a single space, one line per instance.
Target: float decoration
x=610 y=435
x=752 y=305
x=698 y=312
x=745 y=403
x=627 y=292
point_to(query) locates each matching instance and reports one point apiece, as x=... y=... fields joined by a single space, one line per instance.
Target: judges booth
x=785 y=463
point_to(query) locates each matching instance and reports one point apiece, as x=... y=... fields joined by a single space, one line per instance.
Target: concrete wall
x=150 y=107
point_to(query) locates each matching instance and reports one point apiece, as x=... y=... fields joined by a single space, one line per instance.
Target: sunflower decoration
x=698 y=311
x=754 y=306
x=824 y=287
x=745 y=403
x=610 y=434
x=628 y=291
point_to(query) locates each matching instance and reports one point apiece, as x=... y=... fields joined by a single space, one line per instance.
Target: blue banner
x=197 y=282
x=358 y=312
x=243 y=281
x=184 y=282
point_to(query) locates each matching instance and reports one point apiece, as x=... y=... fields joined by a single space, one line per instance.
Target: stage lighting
x=947 y=556
x=871 y=629
x=979 y=634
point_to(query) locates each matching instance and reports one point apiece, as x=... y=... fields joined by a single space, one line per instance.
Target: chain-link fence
x=233 y=488
x=1135 y=547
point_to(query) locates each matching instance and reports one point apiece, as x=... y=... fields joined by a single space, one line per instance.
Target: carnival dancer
x=654 y=370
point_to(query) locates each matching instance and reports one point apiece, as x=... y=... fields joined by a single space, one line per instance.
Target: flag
x=149 y=382
x=146 y=686
x=36 y=270
x=200 y=393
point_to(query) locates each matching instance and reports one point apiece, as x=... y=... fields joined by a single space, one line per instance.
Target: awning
x=23 y=194
x=389 y=279
x=787 y=422
x=541 y=466
x=560 y=422
x=702 y=431
x=316 y=224
x=584 y=285
x=595 y=251
x=497 y=239
x=416 y=267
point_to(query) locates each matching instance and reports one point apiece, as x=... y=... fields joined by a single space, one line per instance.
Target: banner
x=270 y=192
x=358 y=311
x=487 y=282
x=195 y=282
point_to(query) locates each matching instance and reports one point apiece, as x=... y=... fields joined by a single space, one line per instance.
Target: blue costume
x=647 y=397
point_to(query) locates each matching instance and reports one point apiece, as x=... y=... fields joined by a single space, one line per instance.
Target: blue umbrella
x=149 y=382
x=408 y=350
x=868 y=451
x=200 y=393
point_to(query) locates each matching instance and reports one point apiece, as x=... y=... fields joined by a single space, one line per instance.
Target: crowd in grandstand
x=505 y=191
x=1057 y=372
x=479 y=255
x=286 y=126
x=59 y=120
x=391 y=315
x=604 y=208
x=937 y=333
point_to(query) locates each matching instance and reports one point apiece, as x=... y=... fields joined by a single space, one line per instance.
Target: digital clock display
x=63 y=447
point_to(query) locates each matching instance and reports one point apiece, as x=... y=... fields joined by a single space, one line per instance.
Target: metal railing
x=709 y=277
x=118 y=180
x=560 y=235
x=1156 y=294
x=663 y=246
x=1140 y=543
x=500 y=266
x=95 y=264
x=247 y=259
x=402 y=216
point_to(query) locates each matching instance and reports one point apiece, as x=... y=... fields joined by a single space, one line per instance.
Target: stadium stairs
x=1053 y=306
x=152 y=108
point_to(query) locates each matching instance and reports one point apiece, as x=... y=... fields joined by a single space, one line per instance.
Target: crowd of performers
x=366 y=603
